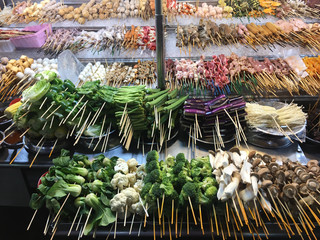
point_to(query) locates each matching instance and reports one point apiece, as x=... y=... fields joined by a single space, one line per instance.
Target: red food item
x=15 y=101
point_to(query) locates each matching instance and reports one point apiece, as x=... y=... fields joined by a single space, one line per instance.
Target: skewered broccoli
x=151 y=166
x=152 y=156
x=145 y=190
x=189 y=190
x=153 y=176
x=211 y=192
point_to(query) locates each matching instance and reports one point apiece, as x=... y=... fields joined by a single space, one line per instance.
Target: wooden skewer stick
x=227 y=224
x=54 y=145
x=74 y=220
x=176 y=225
x=34 y=214
x=162 y=203
x=159 y=215
x=227 y=208
x=154 y=228
x=201 y=223
x=180 y=231
x=65 y=120
x=235 y=220
x=43 y=103
x=78 y=224
x=237 y=212
x=172 y=211
x=132 y=223
x=125 y=216
x=115 y=227
x=86 y=222
x=36 y=155
x=64 y=202
x=215 y=218
x=187 y=220
x=163 y=227
x=145 y=216
x=47 y=224
x=170 y=235
x=16 y=154
x=140 y=228
x=194 y=216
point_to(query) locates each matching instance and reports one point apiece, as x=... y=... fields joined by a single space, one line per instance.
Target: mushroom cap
x=314 y=169
x=312 y=163
x=289 y=174
x=296 y=179
x=274 y=167
x=312 y=184
x=263 y=171
x=303 y=189
x=290 y=190
x=266 y=158
x=274 y=190
x=235 y=149
x=280 y=177
x=266 y=183
x=256 y=162
x=254 y=174
x=299 y=170
x=252 y=154
x=212 y=152
x=304 y=176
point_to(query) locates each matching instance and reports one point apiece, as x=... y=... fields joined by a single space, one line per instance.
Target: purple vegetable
x=214 y=100
x=194 y=111
x=218 y=109
x=200 y=107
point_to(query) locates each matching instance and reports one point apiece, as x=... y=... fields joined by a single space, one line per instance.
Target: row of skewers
x=56 y=11
x=294 y=32
x=118 y=74
x=115 y=38
x=234 y=74
x=253 y=189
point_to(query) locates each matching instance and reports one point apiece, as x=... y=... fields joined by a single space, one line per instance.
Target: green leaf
x=36 y=92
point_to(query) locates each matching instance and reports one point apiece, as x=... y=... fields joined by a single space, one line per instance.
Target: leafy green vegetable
x=61 y=189
x=36 y=92
x=36 y=201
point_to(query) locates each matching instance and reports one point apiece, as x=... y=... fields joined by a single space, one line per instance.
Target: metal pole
x=160 y=45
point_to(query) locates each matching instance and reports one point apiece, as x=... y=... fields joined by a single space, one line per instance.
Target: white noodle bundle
x=259 y=116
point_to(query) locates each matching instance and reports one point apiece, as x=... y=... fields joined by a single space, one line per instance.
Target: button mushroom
x=304 y=176
x=290 y=190
x=299 y=170
x=280 y=177
x=312 y=163
x=256 y=162
x=235 y=149
x=262 y=172
x=266 y=183
x=266 y=158
x=251 y=154
x=296 y=179
x=312 y=185
x=274 y=167
x=303 y=189
x=274 y=190
x=314 y=169
x=289 y=174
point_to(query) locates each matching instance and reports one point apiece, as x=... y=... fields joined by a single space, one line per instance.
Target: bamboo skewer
x=74 y=220
x=17 y=154
x=86 y=222
x=58 y=213
x=33 y=216
x=191 y=207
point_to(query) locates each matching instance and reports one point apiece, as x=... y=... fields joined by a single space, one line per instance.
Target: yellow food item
x=11 y=110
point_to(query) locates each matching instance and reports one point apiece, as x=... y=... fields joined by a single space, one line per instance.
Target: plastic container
x=35 y=40
x=6 y=46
